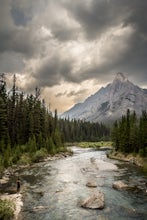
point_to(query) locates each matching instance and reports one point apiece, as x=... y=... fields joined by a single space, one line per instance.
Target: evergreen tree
x=134 y=142
x=26 y=125
x=130 y=135
x=143 y=134
x=115 y=136
x=4 y=137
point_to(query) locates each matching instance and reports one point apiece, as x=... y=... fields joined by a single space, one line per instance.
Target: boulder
x=95 y=201
x=135 y=161
x=91 y=184
x=119 y=185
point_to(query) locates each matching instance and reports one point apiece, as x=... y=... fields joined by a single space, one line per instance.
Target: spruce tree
x=115 y=136
x=4 y=137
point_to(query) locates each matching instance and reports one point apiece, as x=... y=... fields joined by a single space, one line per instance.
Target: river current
x=53 y=190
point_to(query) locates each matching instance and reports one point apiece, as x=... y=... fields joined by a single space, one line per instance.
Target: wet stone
x=91 y=184
x=119 y=185
x=95 y=201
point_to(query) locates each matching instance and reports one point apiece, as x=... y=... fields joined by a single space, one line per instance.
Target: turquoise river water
x=55 y=189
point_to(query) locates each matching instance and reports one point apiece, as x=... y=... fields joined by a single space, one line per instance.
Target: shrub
x=145 y=165
x=39 y=155
x=24 y=159
x=6 y=209
x=142 y=153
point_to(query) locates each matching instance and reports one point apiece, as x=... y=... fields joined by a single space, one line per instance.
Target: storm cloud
x=50 y=43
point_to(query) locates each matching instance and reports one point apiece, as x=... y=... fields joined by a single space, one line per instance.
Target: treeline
x=78 y=130
x=26 y=126
x=130 y=133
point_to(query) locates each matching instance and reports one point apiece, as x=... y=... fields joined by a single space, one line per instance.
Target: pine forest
x=28 y=127
x=129 y=135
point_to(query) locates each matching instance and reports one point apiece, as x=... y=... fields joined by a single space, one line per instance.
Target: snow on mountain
x=111 y=102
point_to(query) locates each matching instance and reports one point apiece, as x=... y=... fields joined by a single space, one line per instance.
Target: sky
x=71 y=48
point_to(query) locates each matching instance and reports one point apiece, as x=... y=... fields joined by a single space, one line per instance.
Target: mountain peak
x=110 y=102
x=121 y=77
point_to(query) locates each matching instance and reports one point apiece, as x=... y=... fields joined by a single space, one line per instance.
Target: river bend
x=53 y=190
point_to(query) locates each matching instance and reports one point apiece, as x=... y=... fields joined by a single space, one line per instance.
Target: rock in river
x=95 y=201
x=91 y=184
x=119 y=185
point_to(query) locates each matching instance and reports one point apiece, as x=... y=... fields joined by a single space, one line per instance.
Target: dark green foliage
x=115 y=136
x=78 y=130
x=6 y=209
x=39 y=155
x=51 y=145
x=4 y=138
x=27 y=127
x=31 y=145
x=130 y=134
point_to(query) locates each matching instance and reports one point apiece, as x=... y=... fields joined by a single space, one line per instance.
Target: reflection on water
x=54 y=189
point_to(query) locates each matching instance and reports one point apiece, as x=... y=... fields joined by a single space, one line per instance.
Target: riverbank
x=56 y=189
x=95 y=145
x=136 y=160
x=16 y=199
x=11 y=174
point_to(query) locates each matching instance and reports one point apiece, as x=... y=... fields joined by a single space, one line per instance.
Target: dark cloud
x=10 y=62
x=39 y=37
x=63 y=33
x=137 y=17
x=100 y=16
x=23 y=12
x=97 y=16
x=60 y=94
x=133 y=60
x=21 y=17
x=19 y=41
x=76 y=93
x=71 y=93
x=53 y=69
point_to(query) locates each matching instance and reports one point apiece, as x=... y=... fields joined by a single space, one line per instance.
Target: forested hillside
x=27 y=127
x=130 y=134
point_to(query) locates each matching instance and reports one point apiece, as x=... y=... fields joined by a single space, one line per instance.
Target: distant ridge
x=111 y=102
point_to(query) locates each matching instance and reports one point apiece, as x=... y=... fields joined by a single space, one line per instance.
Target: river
x=53 y=190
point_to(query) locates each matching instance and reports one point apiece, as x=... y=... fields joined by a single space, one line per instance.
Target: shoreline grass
x=132 y=158
x=95 y=144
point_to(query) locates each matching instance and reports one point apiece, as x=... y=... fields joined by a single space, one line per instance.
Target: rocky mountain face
x=111 y=102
